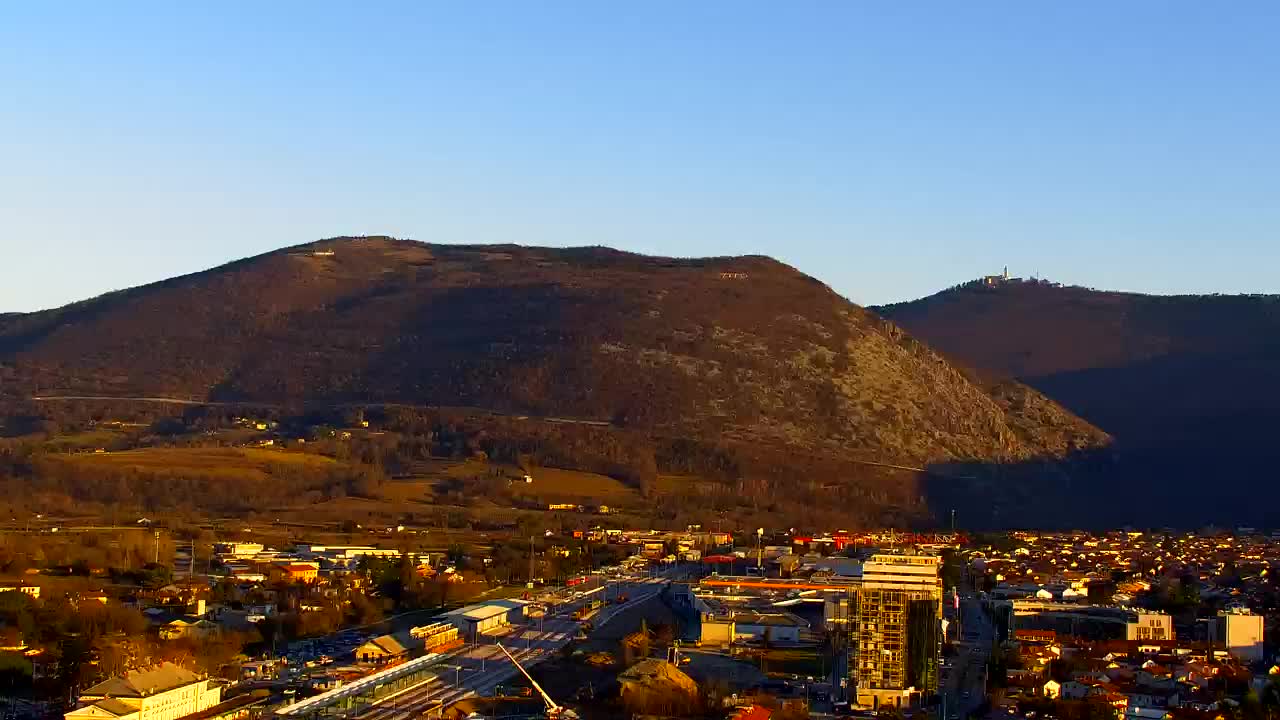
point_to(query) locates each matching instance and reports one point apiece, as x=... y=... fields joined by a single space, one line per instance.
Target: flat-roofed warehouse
x=474 y=620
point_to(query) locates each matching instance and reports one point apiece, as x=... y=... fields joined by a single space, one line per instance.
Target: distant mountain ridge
x=745 y=352
x=1189 y=385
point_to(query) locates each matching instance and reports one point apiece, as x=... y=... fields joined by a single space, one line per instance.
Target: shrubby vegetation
x=1188 y=385
x=740 y=372
x=682 y=480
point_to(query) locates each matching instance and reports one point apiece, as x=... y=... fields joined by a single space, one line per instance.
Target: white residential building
x=25 y=589
x=1149 y=626
x=1241 y=633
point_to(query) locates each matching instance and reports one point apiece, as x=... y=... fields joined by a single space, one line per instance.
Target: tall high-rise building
x=898 y=629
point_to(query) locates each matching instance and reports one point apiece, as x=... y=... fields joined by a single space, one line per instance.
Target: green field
x=214 y=462
x=408 y=490
x=549 y=484
x=91 y=439
x=415 y=498
x=553 y=484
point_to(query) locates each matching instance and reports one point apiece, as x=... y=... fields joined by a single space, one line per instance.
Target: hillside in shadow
x=1188 y=386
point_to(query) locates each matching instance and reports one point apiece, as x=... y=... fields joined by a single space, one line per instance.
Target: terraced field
x=254 y=463
x=552 y=484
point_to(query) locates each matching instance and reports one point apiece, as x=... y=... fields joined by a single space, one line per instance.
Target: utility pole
x=530 y=561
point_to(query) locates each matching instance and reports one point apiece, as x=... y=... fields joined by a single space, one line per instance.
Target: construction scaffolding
x=897 y=633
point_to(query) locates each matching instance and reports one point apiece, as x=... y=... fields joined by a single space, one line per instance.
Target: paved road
x=152 y=399
x=965 y=687
x=480 y=669
x=214 y=403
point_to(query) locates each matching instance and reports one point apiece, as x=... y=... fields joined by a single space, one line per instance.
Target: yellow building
x=25 y=589
x=159 y=692
x=299 y=572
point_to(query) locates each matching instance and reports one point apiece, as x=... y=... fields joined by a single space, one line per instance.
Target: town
x=657 y=361
x=693 y=623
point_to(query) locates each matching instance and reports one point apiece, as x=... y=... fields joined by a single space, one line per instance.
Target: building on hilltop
x=994 y=280
x=159 y=692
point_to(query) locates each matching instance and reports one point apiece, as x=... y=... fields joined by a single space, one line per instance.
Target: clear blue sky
x=888 y=148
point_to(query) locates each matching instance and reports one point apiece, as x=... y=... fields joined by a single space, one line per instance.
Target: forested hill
x=744 y=353
x=1189 y=386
